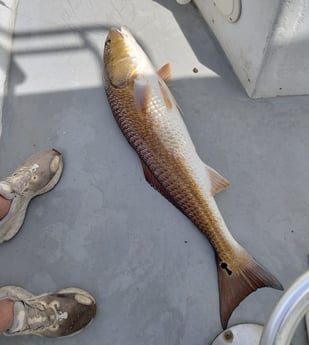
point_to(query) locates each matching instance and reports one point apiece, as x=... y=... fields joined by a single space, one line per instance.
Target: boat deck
x=103 y=228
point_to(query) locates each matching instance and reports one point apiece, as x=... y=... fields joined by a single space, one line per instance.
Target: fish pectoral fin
x=165 y=73
x=142 y=95
x=152 y=180
x=218 y=182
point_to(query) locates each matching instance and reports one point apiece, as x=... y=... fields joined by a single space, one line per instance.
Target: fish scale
x=149 y=118
x=194 y=205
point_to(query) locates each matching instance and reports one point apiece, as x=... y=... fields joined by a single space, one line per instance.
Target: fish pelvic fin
x=236 y=285
x=166 y=97
x=165 y=73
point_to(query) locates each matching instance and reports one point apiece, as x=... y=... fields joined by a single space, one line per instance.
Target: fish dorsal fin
x=218 y=182
x=165 y=73
x=142 y=95
x=152 y=180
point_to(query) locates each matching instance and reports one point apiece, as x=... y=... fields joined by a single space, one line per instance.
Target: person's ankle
x=5 y=205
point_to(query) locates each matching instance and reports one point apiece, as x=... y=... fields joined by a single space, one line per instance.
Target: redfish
x=152 y=122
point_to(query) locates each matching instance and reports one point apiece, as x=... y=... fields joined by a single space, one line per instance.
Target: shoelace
x=19 y=181
x=40 y=316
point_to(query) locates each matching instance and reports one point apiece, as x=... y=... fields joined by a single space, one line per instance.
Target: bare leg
x=4 y=206
x=6 y=314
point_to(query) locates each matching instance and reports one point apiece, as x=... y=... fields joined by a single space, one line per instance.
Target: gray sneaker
x=59 y=314
x=37 y=175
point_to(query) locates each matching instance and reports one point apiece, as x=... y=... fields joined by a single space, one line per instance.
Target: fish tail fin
x=237 y=283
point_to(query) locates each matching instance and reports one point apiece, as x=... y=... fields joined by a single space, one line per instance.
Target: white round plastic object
x=242 y=334
x=230 y=9
x=183 y=2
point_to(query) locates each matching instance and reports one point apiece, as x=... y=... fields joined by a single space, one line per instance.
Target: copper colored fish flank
x=150 y=119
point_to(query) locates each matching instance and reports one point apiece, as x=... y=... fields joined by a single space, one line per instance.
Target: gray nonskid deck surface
x=103 y=228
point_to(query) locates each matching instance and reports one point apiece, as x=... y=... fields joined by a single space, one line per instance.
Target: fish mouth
x=126 y=35
x=123 y=31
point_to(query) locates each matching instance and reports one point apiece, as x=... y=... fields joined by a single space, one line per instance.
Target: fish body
x=151 y=120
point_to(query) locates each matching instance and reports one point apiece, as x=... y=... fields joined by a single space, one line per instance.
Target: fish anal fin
x=236 y=285
x=218 y=182
x=165 y=73
x=142 y=95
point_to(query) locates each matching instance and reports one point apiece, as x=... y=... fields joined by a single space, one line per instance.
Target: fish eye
x=107 y=43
